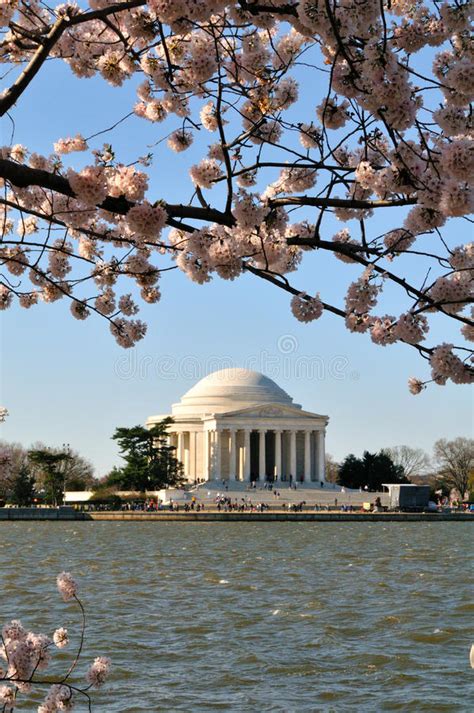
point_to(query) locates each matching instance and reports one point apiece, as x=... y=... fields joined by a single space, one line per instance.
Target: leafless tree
x=78 y=471
x=12 y=458
x=414 y=461
x=455 y=461
x=332 y=469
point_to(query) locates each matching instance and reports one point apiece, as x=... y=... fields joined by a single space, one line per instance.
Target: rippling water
x=257 y=617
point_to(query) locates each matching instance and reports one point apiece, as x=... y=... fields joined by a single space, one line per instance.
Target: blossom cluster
x=26 y=653
x=382 y=132
x=146 y=220
x=99 y=671
x=67 y=586
x=305 y=308
x=205 y=173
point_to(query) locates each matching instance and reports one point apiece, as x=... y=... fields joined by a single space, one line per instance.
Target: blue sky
x=65 y=381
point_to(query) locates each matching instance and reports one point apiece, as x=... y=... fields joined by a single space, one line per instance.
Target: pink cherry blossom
x=411 y=328
x=333 y=114
x=457 y=158
x=445 y=364
x=305 y=308
x=386 y=148
x=67 y=586
x=89 y=185
x=310 y=136
x=205 y=173
x=343 y=236
x=59 y=697
x=127 y=181
x=6 y=297
x=77 y=143
x=146 y=220
x=99 y=671
x=27 y=653
x=208 y=116
x=247 y=212
x=61 y=638
x=7 y=698
x=382 y=330
x=415 y=385
x=180 y=140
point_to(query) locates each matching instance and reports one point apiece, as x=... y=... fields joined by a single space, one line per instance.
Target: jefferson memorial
x=239 y=425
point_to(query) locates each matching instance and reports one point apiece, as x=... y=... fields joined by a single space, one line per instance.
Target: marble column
x=205 y=454
x=246 y=454
x=277 y=455
x=187 y=454
x=218 y=456
x=180 y=454
x=232 y=454
x=321 y=455
x=192 y=454
x=307 y=456
x=212 y=455
x=240 y=453
x=261 y=455
x=293 y=455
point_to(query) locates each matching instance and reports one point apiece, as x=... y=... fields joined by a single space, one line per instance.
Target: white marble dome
x=230 y=390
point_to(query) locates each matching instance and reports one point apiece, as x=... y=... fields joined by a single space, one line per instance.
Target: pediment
x=271 y=411
x=266 y=411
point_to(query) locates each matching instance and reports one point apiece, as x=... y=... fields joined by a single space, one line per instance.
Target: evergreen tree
x=23 y=488
x=371 y=470
x=150 y=464
x=49 y=464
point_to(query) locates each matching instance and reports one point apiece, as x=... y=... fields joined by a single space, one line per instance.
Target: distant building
x=238 y=424
x=407 y=496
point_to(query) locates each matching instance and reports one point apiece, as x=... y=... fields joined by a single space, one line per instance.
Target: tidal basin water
x=257 y=617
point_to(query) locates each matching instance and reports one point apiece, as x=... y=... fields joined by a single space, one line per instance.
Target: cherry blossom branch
x=25 y=652
x=81 y=642
x=284 y=285
x=256 y=8
x=341 y=202
x=11 y=95
x=114 y=9
x=24 y=176
x=220 y=126
x=384 y=154
x=352 y=252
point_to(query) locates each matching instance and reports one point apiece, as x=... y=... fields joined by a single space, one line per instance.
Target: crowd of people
x=227 y=504
x=223 y=502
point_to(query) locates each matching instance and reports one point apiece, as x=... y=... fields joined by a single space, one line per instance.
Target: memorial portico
x=239 y=425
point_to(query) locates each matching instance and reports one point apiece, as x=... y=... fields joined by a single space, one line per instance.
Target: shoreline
x=70 y=515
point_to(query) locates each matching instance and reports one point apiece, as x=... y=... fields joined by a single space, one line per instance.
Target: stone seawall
x=64 y=513
x=61 y=514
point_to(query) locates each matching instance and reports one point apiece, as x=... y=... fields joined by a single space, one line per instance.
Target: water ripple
x=247 y=617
